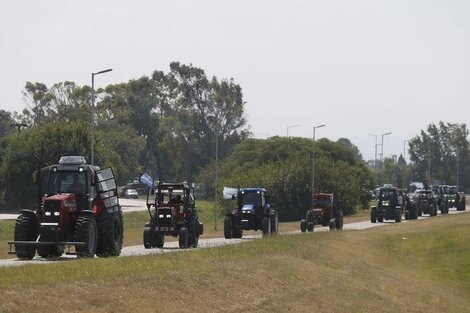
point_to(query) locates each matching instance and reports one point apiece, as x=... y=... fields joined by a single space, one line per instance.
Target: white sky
x=361 y=67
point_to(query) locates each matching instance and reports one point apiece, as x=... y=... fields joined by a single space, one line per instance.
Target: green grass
x=421 y=266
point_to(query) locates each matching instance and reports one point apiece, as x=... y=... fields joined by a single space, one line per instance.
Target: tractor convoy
x=78 y=212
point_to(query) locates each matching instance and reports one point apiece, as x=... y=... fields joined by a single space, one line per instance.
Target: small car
x=131 y=194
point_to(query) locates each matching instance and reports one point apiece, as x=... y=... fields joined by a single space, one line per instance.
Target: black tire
x=310 y=227
x=407 y=215
x=237 y=232
x=86 y=231
x=373 y=215
x=413 y=213
x=228 y=228
x=274 y=223
x=147 y=237
x=49 y=251
x=158 y=239
x=398 y=216
x=110 y=234
x=380 y=219
x=332 y=225
x=303 y=226
x=183 y=238
x=339 y=219
x=26 y=229
x=432 y=210
x=266 y=226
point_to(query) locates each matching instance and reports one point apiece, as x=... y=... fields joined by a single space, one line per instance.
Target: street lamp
x=18 y=126
x=375 y=158
x=382 y=158
x=292 y=126
x=93 y=112
x=216 y=173
x=404 y=149
x=313 y=161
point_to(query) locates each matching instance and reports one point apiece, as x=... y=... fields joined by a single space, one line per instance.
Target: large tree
x=441 y=154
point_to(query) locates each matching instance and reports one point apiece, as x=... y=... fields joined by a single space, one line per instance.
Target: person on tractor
x=77 y=185
x=177 y=199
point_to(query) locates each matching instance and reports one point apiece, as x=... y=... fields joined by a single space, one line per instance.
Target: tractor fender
x=28 y=212
x=87 y=212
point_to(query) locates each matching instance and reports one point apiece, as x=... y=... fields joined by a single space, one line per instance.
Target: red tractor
x=78 y=206
x=172 y=213
x=323 y=212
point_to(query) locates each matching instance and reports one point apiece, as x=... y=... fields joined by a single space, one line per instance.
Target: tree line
x=167 y=124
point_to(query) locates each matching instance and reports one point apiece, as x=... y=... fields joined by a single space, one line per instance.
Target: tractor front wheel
x=183 y=238
x=228 y=227
x=26 y=229
x=339 y=219
x=303 y=226
x=266 y=226
x=110 y=234
x=86 y=231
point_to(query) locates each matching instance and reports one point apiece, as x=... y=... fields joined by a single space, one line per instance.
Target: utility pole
x=216 y=173
x=382 y=157
x=18 y=126
x=313 y=161
x=93 y=113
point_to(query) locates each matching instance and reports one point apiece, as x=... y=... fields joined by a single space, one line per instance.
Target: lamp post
x=382 y=158
x=375 y=157
x=216 y=173
x=313 y=161
x=18 y=126
x=404 y=149
x=292 y=126
x=93 y=112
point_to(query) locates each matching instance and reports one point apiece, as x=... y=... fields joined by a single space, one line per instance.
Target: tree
x=443 y=148
x=284 y=167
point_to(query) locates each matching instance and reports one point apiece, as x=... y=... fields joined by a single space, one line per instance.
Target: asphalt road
x=135 y=205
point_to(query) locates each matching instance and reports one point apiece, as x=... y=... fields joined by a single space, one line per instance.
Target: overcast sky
x=359 y=66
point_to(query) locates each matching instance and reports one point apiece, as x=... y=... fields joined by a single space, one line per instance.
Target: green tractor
x=455 y=199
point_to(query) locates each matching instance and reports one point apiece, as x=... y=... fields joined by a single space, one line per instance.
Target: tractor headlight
x=168 y=216
x=161 y=216
x=56 y=213
x=47 y=213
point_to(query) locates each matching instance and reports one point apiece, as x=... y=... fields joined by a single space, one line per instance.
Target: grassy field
x=421 y=266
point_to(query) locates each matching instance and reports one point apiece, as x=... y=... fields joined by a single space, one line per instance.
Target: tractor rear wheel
x=228 y=227
x=274 y=223
x=49 y=251
x=332 y=224
x=183 y=238
x=303 y=226
x=373 y=215
x=26 y=229
x=266 y=226
x=339 y=219
x=147 y=236
x=110 y=234
x=86 y=231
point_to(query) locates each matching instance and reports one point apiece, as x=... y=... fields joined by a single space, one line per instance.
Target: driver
x=77 y=186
